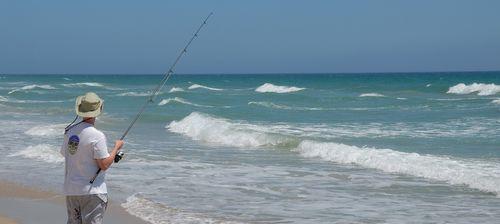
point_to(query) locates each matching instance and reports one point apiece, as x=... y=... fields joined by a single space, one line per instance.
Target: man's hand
x=118 y=144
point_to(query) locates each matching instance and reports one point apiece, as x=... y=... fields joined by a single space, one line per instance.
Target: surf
x=271 y=88
x=197 y=86
x=179 y=100
x=481 y=89
x=158 y=213
x=176 y=89
x=134 y=94
x=371 y=95
x=46 y=130
x=473 y=173
x=42 y=152
x=83 y=84
x=30 y=87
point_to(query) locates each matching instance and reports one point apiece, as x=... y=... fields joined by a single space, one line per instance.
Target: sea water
x=301 y=148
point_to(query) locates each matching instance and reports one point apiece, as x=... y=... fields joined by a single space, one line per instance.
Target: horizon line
x=273 y=73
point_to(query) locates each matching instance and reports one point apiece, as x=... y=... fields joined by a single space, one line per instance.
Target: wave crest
x=197 y=86
x=270 y=88
x=481 y=89
x=371 y=95
x=47 y=130
x=478 y=175
x=210 y=129
x=134 y=94
x=42 y=152
x=84 y=84
x=30 y=87
x=282 y=107
x=176 y=89
x=179 y=100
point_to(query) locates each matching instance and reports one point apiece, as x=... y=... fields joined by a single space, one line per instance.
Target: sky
x=258 y=36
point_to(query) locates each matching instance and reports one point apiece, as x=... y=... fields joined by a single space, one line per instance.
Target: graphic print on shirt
x=73 y=144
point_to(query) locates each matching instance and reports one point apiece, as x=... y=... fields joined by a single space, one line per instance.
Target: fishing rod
x=156 y=90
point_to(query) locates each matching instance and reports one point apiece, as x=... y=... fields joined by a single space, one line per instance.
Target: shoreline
x=25 y=204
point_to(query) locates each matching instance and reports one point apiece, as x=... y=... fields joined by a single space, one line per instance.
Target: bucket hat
x=88 y=105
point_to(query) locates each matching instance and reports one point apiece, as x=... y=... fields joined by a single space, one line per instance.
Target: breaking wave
x=47 y=130
x=134 y=94
x=10 y=100
x=42 y=152
x=270 y=88
x=481 y=175
x=371 y=95
x=30 y=87
x=179 y=100
x=176 y=89
x=282 y=107
x=196 y=86
x=84 y=84
x=481 y=89
x=210 y=129
x=497 y=101
x=157 y=213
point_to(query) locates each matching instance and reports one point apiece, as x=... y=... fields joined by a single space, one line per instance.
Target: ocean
x=277 y=148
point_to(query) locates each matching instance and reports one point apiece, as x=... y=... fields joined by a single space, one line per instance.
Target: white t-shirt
x=83 y=144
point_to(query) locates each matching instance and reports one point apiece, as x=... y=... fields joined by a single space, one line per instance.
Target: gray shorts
x=86 y=209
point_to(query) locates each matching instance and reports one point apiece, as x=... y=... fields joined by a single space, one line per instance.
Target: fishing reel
x=119 y=156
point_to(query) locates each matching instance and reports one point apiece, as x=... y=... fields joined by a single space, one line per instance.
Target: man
x=85 y=152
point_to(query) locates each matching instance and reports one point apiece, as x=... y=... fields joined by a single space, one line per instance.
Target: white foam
x=428 y=85
x=179 y=100
x=497 y=101
x=481 y=175
x=371 y=95
x=176 y=89
x=196 y=86
x=30 y=87
x=42 y=152
x=481 y=88
x=402 y=98
x=11 y=100
x=478 y=174
x=282 y=107
x=83 y=84
x=270 y=88
x=47 y=130
x=157 y=213
x=134 y=94
x=211 y=129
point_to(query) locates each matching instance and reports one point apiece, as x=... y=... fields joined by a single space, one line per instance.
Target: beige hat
x=88 y=105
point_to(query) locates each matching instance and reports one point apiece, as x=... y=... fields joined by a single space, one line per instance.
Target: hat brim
x=94 y=113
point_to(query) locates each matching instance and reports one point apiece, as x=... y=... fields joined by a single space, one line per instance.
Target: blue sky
x=258 y=36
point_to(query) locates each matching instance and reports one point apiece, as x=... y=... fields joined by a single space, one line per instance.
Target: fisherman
x=85 y=152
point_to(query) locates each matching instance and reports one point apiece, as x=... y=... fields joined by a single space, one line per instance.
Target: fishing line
x=157 y=89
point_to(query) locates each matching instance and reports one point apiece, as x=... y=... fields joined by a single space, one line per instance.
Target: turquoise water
x=304 y=148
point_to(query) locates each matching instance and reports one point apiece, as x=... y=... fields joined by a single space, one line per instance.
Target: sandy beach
x=21 y=204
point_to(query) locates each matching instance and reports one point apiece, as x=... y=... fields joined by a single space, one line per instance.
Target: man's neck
x=90 y=120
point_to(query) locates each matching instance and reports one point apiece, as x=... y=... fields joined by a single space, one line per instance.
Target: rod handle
x=95 y=176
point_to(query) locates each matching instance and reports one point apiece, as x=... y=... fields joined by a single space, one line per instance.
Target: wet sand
x=21 y=204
